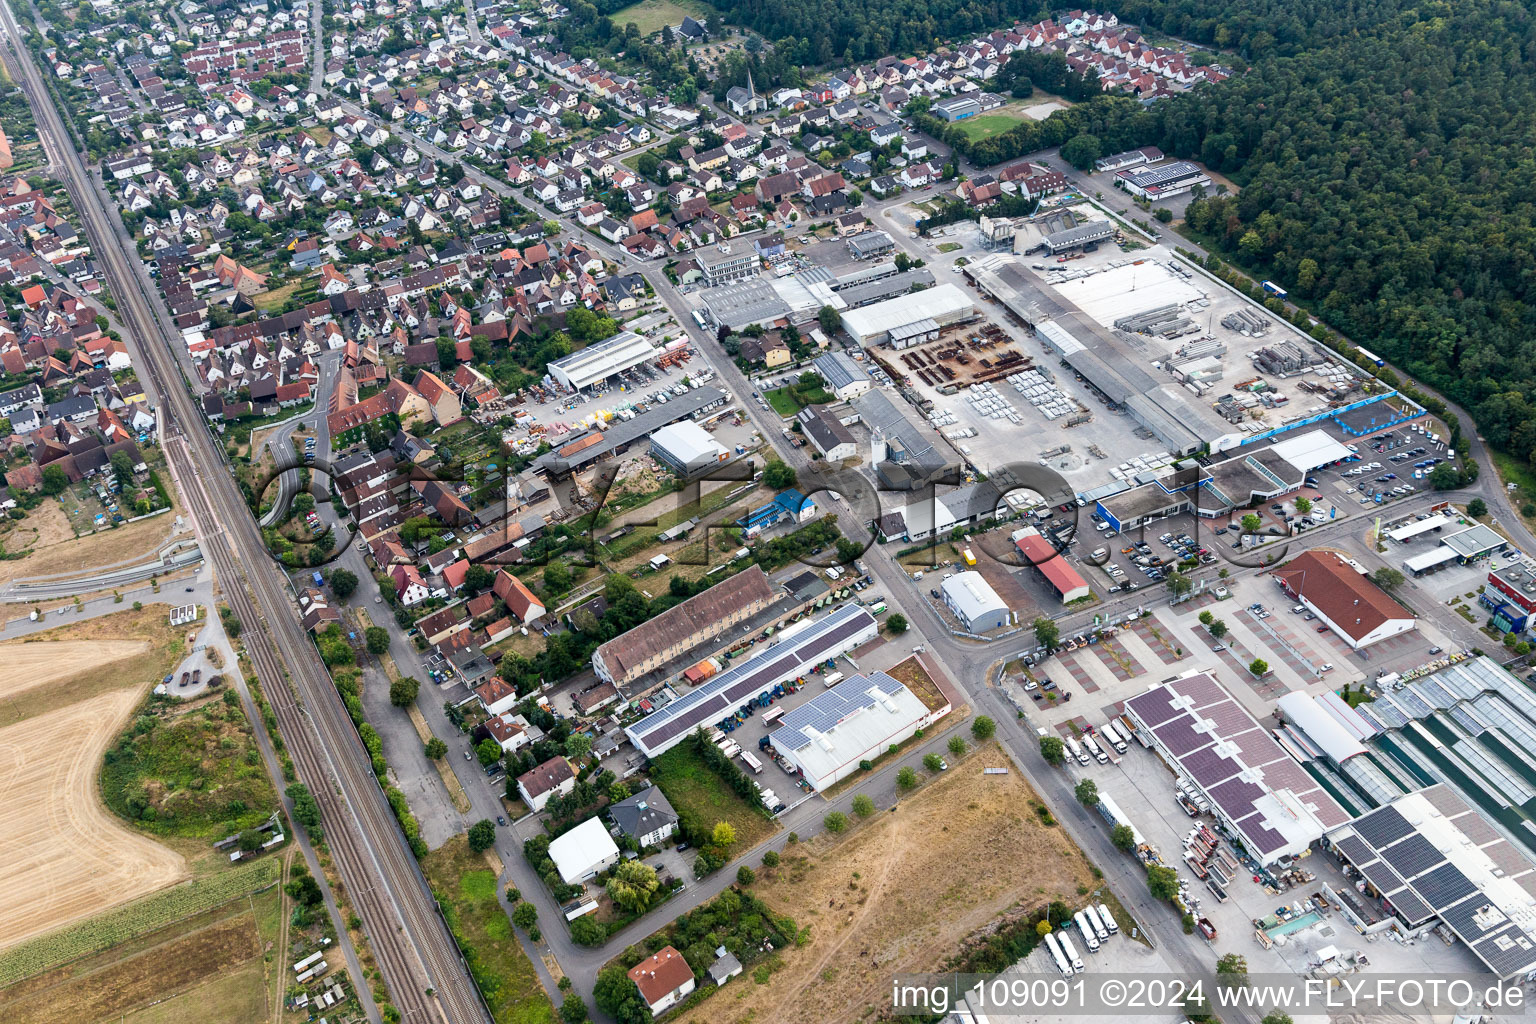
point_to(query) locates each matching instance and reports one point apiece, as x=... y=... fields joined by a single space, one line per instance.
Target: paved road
x=280 y=442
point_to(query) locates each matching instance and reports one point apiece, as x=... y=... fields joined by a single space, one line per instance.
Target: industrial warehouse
x=602 y=360
x=721 y=696
x=857 y=720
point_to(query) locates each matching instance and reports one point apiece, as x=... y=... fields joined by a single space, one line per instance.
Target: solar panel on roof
x=1412 y=856
x=1443 y=886
x=1509 y=952
x=1355 y=849
x=823 y=712
x=1382 y=877
x=1382 y=826
x=1412 y=909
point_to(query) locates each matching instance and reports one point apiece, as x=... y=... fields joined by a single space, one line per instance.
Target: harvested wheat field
x=23 y=666
x=899 y=893
x=66 y=856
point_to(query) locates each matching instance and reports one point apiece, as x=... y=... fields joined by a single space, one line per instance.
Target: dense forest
x=853 y=31
x=1384 y=151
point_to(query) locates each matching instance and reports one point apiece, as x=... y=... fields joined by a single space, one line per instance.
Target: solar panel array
x=727 y=691
x=1218 y=745
x=1420 y=882
x=823 y=712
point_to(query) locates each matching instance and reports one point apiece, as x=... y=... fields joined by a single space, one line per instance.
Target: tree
x=1443 y=477
x=615 y=994
x=525 y=915
x=1218 y=629
x=573 y=1010
x=578 y=745
x=402 y=692
x=633 y=885
x=863 y=805
x=1251 y=522
x=1388 y=578
x=1258 y=666
x=377 y=638
x=906 y=778
x=1207 y=617
x=896 y=623
x=343 y=583
x=983 y=728
x=745 y=875
x=478 y=578
x=1042 y=928
x=1082 y=150
x=585 y=931
x=1052 y=749
x=1477 y=508
x=1232 y=964
x=1087 y=792
x=250 y=841
x=830 y=319
x=771 y=859
x=1047 y=633
x=489 y=752
x=1162 y=882
x=436 y=749
x=482 y=835
x=1276 y=1018
x=835 y=822
x=1303 y=505
x=54 y=479
x=618 y=792
x=1180 y=584
x=778 y=476
x=1124 y=837
x=723 y=834
x=933 y=762
x=956 y=745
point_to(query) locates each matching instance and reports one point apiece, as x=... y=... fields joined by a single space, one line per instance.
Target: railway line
x=426 y=977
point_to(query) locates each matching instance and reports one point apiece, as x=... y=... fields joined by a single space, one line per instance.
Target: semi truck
x=1089 y=938
x=1107 y=918
x=1096 y=750
x=1070 y=952
x=1076 y=750
x=1093 y=919
x=1062 y=963
x=752 y=762
x=1110 y=733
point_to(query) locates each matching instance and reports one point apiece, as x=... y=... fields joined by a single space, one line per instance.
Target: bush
x=983 y=727
x=835 y=822
x=771 y=859
x=896 y=623
x=933 y=762
x=436 y=749
x=745 y=875
x=377 y=638
x=863 y=805
x=907 y=777
x=525 y=915
x=957 y=745
x=588 y=931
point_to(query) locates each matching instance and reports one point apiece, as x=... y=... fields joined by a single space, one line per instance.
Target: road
x=280 y=442
x=426 y=979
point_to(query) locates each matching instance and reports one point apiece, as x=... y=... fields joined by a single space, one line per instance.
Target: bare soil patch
x=900 y=893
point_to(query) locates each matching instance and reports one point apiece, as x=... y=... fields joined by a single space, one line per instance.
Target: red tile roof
x=1341 y=594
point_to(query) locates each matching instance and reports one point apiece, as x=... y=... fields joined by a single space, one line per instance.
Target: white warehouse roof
x=687 y=442
x=972 y=596
x=584 y=849
x=1310 y=450
x=1308 y=715
x=828 y=734
x=941 y=302
x=603 y=359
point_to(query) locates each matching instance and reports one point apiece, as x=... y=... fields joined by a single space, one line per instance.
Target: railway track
x=427 y=978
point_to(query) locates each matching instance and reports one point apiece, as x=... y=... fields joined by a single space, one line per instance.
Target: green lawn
x=650 y=15
x=984 y=126
x=465 y=886
x=783 y=401
x=695 y=790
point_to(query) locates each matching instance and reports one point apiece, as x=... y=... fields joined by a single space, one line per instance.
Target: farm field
x=650 y=15
x=697 y=792
x=464 y=883
x=67 y=856
x=208 y=968
x=885 y=898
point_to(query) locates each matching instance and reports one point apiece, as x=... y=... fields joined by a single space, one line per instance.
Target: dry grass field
x=67 y=856
x=900 y=893
x=53 y=548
